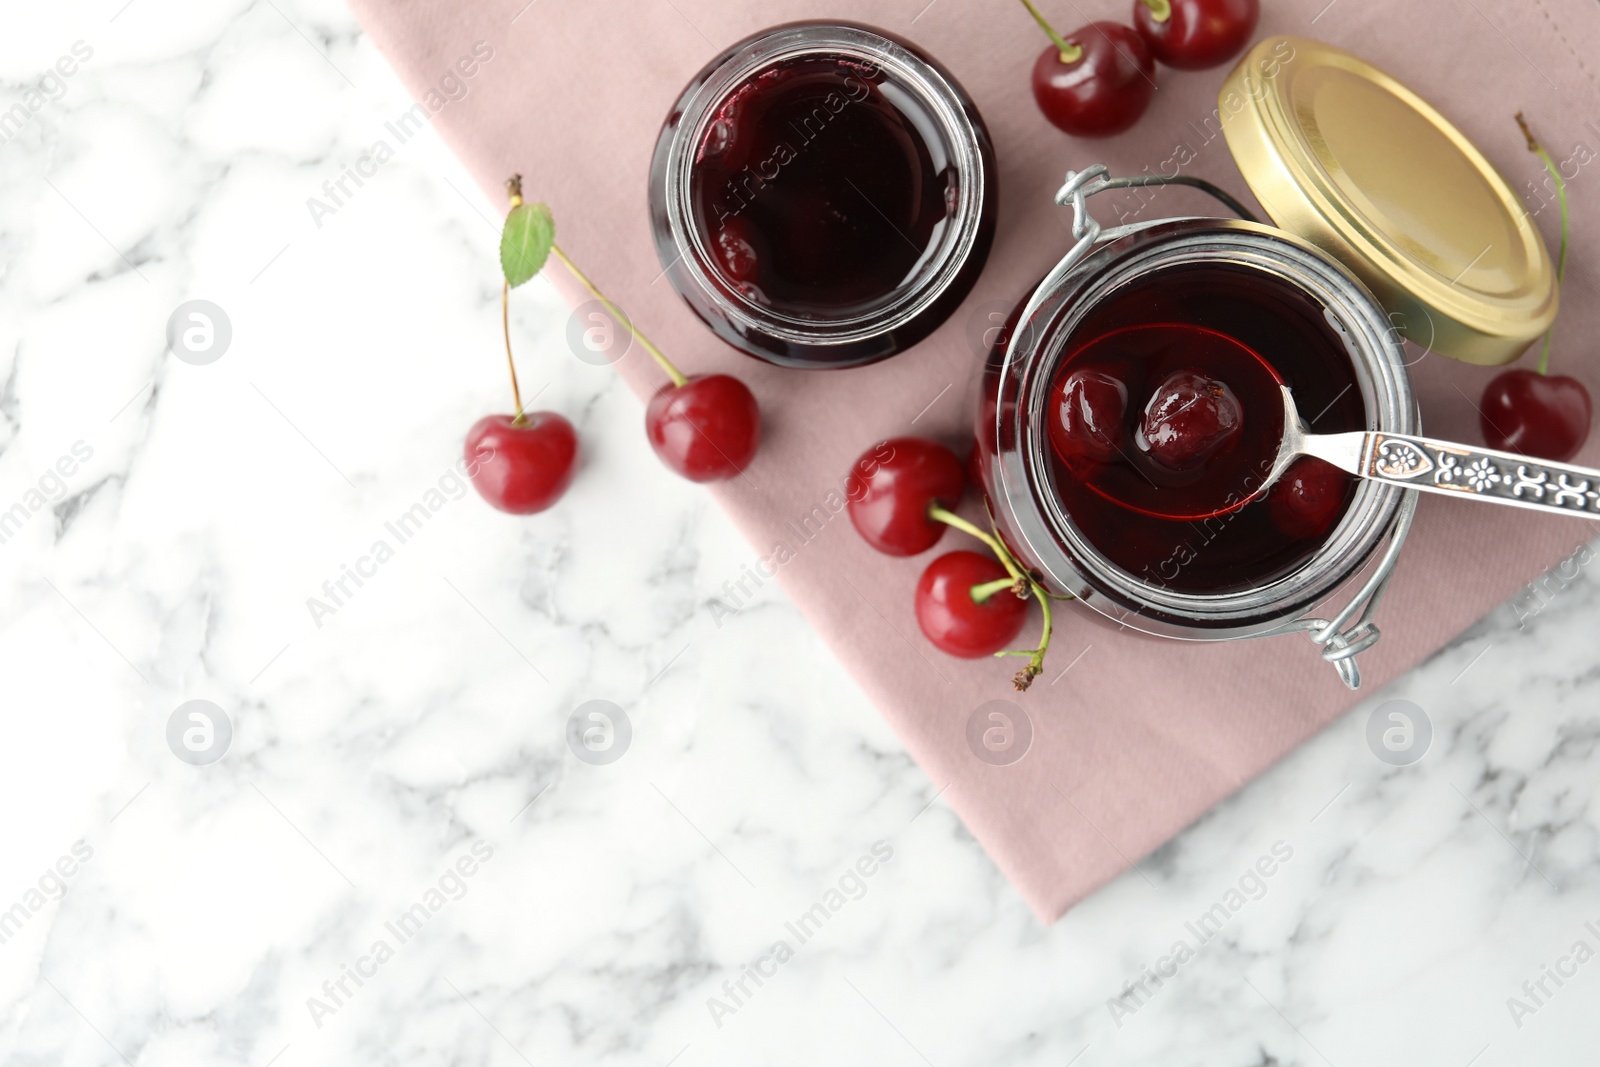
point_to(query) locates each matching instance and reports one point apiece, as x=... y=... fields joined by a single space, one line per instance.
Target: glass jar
x=1389 y=224
x=1220 y=578
x=823 y=195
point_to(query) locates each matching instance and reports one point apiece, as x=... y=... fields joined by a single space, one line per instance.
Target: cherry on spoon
x=1206 y=438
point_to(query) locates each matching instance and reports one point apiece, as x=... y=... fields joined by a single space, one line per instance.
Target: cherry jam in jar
x=1125 y=429
x=1180 y=528
x=823 y=195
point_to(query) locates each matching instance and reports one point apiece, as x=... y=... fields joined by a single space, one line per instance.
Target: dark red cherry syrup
x=1198 y=352
x=814 y=192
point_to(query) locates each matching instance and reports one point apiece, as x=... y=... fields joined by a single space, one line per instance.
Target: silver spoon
x=1441 y=467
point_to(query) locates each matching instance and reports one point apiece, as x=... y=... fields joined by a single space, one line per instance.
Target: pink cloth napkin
x=1141 y=736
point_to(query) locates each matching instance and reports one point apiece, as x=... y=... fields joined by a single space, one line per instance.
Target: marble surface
x=399 y=859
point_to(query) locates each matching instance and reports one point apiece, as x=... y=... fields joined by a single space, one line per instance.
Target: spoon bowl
x=1227 y=481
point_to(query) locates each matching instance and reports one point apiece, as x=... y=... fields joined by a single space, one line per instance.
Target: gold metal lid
x=1343 y=155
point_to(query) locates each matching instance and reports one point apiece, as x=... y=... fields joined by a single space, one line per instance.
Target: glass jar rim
x=941 y=264
x=1122 y=257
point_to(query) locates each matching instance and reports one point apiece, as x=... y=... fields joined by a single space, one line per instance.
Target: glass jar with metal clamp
x=1322 y=302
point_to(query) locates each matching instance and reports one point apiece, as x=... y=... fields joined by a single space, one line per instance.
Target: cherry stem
x=1070 y=53
x=1160 y=10
x=660 y=357
x=1035 y=667
x=950 y=518
x=505 y=321
x=514 y=192
x=1566 y=227
x=981 y=593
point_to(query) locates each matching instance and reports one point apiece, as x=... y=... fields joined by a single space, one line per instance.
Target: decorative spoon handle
x=1463 y=471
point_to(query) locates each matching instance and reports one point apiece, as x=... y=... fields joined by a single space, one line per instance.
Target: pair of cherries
x=1098 y=80
x=706 y=427
x=901 y=495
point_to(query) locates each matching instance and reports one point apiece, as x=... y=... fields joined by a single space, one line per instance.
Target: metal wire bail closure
x=1080 y=185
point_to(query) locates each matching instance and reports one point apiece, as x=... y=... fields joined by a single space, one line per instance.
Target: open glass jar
x=823 y=195
x=1137 y=303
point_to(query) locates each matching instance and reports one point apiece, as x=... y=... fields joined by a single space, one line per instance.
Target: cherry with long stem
x=521 y=463
x=1020 y=583
x=1095 y=81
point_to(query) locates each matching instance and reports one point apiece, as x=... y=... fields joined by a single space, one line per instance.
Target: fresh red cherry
x=1189 y=419
x=1086 y=414
x=522 y=468
x=706 y=429
x=892 y=486
x=1102 y=91
x=956 y=622
x=1308 y=499
x=1195 y=34
x=1536 y=414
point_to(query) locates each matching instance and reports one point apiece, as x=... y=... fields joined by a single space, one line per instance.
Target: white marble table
x=398 y=771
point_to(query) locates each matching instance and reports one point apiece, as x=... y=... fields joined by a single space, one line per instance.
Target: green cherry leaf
x=526 y=241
